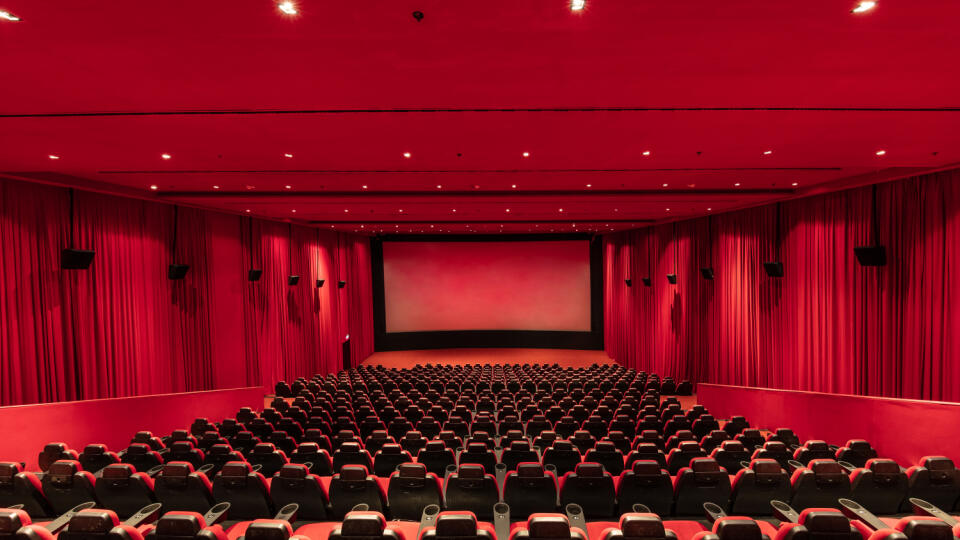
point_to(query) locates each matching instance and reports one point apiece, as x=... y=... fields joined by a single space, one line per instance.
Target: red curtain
x=829 y=324
x=122 y=328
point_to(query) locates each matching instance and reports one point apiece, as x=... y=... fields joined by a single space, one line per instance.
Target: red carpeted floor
x=564 y=357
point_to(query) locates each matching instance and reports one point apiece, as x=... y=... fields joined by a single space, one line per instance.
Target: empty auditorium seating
x=753 y=488
x=20 y=487
x=548 y=527
x=701 y=482
x=680 y=456
x=936 y=480
x=412 y=489
x=819 y=524
x=607 y=454
x=388 y=458
x=245 y=490
x=353 y=486
x=530 y=490
x=437 y=456
x=123 y=490
x=730 y=455
x=351 y=453
x=478 y=453
x=518 y=452
x=96 y=456
x=310 y=452
x=471 y=489
x=591 y=487
x=880 y=487
x=563 y=455
x=179 y=488
x=648 y=484
x=141 y=456
x=458 y=526
x=294 y=483
x=66 y=485
x=813 y=450
x=366 y=525
x=856 y=452
x=55 y=451
x=819 y=484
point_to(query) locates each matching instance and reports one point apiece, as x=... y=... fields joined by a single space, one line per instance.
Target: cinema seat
x=775 y=450
x=411 y=489
x=920 y=528
x=701 y=482
x=437 y=457
x=53 y=452
x=735 y=425
x=455 y=525
x=753 y=488
x=478 y=453
x=935 y=480
x=650 y=436
x=713 y=440
x=583 y=440
x=880 y=487
x=563 y=455
x=149 y=439
x=819 y=524
x=518 y=452
x=66 y=485
x=703 y=425
x=606 y=454
x=141 y=456
x=786 y=436
x=123 y=490
x=819 y=485
x=730 y=455
x=812 y=450
x=547 y=527
x=353 y=486
x=244 y=442
x=97 y=524
x=751 y=438
x=645 y=482
x=626 y=425
x=351 y=453
x=294 y=483
x=623 y=444
x=592 y=488
x=636 y=526
x=471 y=489
x=96 y=456
x=179 y=488
x=184 y=451
x=309 y=452
x=680 y=456
x=389 y=458
x=268 y=457
x=184 y=526
x=679 y=437
x=361 y=526
x=734 y=528
x=530 y=490
x=246 y=491
x=20 y=487
x=856 y=452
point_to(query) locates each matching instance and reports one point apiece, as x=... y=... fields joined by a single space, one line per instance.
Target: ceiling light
x=589 y=185
x=288 y=155
x=294 y=210
x=526 y=154
x=768 y=152
x=668 y=209
x=406 y=154
x=346 y=210
x=153 y=187
x=9 y=16
x=514 y=186
x=646 y=152
x=795 y=184
x=577 y=5
x=401 y=210
x=216 y=187
x=664 y=185
x=454 y=210
x=736 y=184
x=51 y=156
x=439 y=186
x=364 y=186
x=561 y=209
x=881 y=152
x=166 y=156
x=508 y=210
x=288 y=186
x=864 y=6
x=247 y=210
x=287 y=7
x=709 y=209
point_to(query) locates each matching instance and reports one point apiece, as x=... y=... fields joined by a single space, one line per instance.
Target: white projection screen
x=487 y=285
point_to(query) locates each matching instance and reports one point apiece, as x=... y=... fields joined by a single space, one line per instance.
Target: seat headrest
x=138 y=449
x=704 y=465
x=731 y=528
x=938 y=463
x=93 y=521
x=456 y=524
x=646 y=467
x=530 y=470
x=785 y=432
x=689 y=446
x=732 y=446
x=264 y=448
x=95 y=449
x=471 y=471
x=825 y=521
x=642 y=526
x=379 y=434
x=308 y=448
x=435 y=446
x=476 y=448
x=8 y=469
x=775 y=446
x=816 y=445
x=12 y=520
x=883 y=466
x=706 y=418
x=825 y=466
x=295 y=471
x=766 y=466
x=520 y=445
x=413 y=435
x=350 y=448
x=117 y=471
x=182 y=446
x=391 y=448
x=176 y=469
x=751 y=433
x=412 y=470
x=64 y=467
x=605 y=446
x=363 y=524
x=562 y=445
x=616 y=435
x=858 y=445
x=236 y=469
x=647 y=448
x=548 y=526
x=55 y=448
x=269 y=529
x=589 y=470
x=353 y=473
x=179 y=524
x=684 y=434
x=581 y=435
x=925 y=528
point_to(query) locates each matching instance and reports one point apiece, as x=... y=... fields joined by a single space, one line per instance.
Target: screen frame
x=450 y=339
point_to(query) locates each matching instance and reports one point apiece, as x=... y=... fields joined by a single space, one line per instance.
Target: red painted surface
x=902 y=429
x=112 y=421
x=487 y=286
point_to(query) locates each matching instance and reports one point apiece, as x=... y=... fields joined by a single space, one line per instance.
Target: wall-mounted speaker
x=341 y=284
x=672 y=278
x=773 y=269
x=177 y=271
x=293 y=280
x=76 y=259
x=254 y=275
x=320 y=283
x=647 y=282
x=871 y=255
x=629 y=282
x=707 y=273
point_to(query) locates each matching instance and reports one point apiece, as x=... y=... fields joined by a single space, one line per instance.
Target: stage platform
x=564 y=357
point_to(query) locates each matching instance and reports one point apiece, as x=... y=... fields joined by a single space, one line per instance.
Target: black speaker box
x=871 y=255
x=773 y=269
x=707 y=273
x=629 y=282
x=293 y=280
x=254 y=275
x=672 y=278
x=647 y=282
x=177 y=271
x=320 y=283
x=341 y=284
x=76 y=259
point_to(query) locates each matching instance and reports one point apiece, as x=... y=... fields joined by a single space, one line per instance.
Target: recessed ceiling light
x=646 y=152
x=294 y=210
x=288 y=186
x=406 y=154
x=767 y=152
x=401 y=210
x=51 y=156
x=561 y=209
x=881 y=152
x=589 y=185
x=216 y=187
x=864 y=6
x=795 y=184
x=166 y=156
x=454 y=210
x=668 y=209
x=577 y=5
x=514 y=186
x=287 y=7
x=153 y=187
x=6 y=15
x=709 y=209
x=526 y=154
x=664 y=185
x=288 y=155
x=346 y=209
x=439 y=186
x=247 y=210
x=508 y=210
x=364 y=186
x=737 y=184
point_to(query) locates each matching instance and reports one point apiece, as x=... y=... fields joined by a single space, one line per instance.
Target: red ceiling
x=228 y=87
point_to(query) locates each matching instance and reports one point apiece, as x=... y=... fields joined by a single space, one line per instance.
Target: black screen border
x=451 y=339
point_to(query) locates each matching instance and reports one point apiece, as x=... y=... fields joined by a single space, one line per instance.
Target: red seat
x=66 y=485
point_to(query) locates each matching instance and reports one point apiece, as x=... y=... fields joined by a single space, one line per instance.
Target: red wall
x=902 y=429
x=829 y=325
x=121 y=328
x=112 y=421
